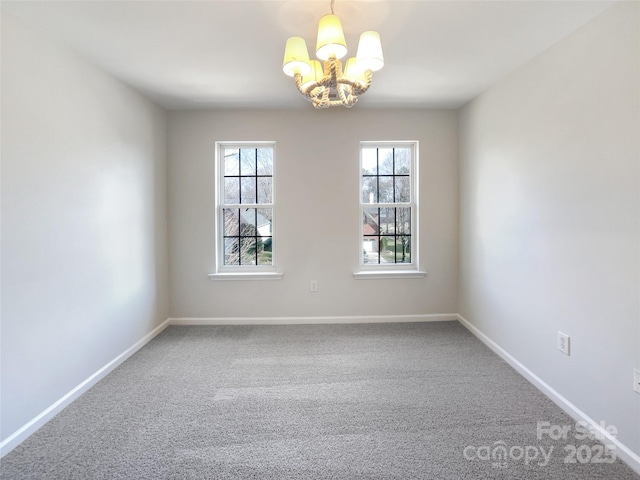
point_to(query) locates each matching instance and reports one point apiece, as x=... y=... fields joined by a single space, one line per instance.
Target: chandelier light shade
x=326 y=84
x=331 y=42
x=315 y=74
x=354 y=70
x=296 y=57
x=369 y=54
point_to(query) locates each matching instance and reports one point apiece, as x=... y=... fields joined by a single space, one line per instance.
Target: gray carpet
x=367 y=401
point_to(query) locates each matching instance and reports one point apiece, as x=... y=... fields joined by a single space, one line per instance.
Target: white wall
x=317 y=213
x=550 y=233
x=84 y=255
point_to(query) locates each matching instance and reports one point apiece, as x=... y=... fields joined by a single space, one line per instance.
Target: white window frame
x=391 y=270
x=242 y=272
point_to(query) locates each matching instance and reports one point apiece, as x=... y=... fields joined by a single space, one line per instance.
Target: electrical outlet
x=314 y=286
x=636 y=380
x=563 y=343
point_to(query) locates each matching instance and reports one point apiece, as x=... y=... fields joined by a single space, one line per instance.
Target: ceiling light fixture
x=329 y=85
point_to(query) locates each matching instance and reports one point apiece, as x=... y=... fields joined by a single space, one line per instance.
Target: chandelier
x=328 y=84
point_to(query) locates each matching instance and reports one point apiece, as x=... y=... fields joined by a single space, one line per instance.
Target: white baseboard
x=623 y=452
x=20 y=435
x=441 y=317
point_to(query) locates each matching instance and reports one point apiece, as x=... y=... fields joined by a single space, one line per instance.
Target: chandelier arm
x=341 y=95
x=350 y=99
x=325 y=95
x=310 y=91
x=338 y=103
x=319 y=103
x=368 y=75
x=357 y=86
x=298 y=79
x=320 y=99
x=315 y=93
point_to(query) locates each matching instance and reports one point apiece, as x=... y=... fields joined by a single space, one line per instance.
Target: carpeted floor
x=366 y=401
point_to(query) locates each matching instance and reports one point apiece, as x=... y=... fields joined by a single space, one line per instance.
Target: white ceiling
x=228 y=54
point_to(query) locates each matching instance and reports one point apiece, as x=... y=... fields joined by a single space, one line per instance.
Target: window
x=245 y=207
x=388 y=206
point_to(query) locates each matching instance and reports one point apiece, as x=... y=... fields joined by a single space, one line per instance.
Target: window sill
x=246 y=276
x=379 y=274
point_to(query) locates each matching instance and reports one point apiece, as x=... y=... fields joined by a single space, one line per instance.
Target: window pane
x=231 y=222
x=371 y=222
x=403 y=221
x=369 y=161
x=248 y=222
x=387 y=249
x=248 y=251
x=231 y=161
x=231 y=190
x=402 y=161
x=264 y=221
x=386 y=189
x=248 y=189
x=385 y=161
x=265 y=161
x=403 y=189
x=369 y=189
x=403 y=249
x=231 y=250
x=265 y=250
x=370 y=249
x=265 y=187
x=247 y=161
x=387 y=221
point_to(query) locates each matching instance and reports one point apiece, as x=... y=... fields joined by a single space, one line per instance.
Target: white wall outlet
x=636 y=380
x=563 y=343
x=314 y=286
